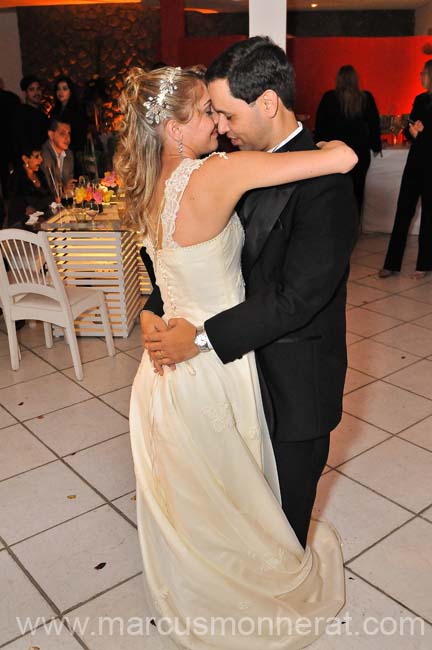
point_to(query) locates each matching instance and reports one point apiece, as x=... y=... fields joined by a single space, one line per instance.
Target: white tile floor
x=68 y=541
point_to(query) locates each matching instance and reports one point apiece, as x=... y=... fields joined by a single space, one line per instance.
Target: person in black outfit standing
x=30 y=124
x=298 y=241
x=350 y=114
x=9 y=104
x=67 y=109
x=416 y=183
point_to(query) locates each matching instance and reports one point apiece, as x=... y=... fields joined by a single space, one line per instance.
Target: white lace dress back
x=214 y=539
x=190 y=278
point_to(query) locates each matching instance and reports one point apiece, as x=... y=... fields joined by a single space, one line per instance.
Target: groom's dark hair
x=253 y=66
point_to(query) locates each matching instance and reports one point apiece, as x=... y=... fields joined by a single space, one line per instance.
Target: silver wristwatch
x=202 y=341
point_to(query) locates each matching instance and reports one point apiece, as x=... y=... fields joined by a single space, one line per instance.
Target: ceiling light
x=202 y=11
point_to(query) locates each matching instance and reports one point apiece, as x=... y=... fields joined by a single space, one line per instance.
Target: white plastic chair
x=33 y=289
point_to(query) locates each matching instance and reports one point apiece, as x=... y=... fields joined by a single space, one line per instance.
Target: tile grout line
x=383 y=496
x=34 y=582
x=397 y=292
x=395 y=600
x=378 y=541
x=35 y=629
x=101 y=593
x=391 y=436
x=60 y=523
x=82 y=478
x=360 y=453
x=56 y=410
x=384 y=377
x=393 y=347
x=24 y=424
x=84 y=512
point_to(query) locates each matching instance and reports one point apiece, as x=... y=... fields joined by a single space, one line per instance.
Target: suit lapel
x=260 y=209
x=50 y=164
x=67 y=168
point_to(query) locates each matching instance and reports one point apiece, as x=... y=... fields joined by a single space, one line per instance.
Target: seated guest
x=58 y=160
x=28 y=190
x=30 y=123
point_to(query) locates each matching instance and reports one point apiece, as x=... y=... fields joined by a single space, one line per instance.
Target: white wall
x=10 y=52
x=264 y=21
x=423 y=19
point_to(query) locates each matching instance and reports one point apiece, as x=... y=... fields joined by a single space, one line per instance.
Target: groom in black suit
x=295 y=263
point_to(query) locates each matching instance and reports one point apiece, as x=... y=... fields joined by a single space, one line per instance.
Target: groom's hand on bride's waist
x=150 y=323
x=173 y=345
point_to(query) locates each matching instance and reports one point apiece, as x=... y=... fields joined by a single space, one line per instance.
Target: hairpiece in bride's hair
x=156 y=106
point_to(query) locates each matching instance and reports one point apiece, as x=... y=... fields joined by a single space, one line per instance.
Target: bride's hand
x=346 y=154
x=330 y=144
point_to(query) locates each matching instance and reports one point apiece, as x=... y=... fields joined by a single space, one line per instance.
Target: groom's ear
x=268 y=102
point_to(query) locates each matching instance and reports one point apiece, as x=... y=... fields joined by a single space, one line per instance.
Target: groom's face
x=244 y=124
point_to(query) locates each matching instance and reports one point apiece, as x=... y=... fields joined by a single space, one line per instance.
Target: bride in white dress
x=223 y=568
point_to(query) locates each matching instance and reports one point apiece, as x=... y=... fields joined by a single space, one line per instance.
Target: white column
x=10 y=52
x=268 y=18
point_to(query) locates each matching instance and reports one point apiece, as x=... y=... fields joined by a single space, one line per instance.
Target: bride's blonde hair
x=138 y=157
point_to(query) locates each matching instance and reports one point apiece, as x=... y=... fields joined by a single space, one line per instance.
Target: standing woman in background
x=67 y=108
x=350 y=114
x=416 y=183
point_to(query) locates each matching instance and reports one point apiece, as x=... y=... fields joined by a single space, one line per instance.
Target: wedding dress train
x=222 y=565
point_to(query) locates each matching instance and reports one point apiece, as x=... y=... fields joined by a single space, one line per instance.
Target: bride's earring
x=180 y=148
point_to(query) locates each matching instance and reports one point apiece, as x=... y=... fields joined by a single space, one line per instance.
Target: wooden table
x=105 y=255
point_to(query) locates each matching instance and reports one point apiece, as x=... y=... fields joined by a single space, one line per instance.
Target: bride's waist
x=198 y=313
x=195 y=316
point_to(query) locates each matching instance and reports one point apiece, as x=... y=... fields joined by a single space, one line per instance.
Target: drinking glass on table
x=58 y=195
x=69 y=194
x=121 y=211
x=92 y=210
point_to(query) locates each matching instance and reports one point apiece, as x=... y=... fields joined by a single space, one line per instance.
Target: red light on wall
x=9 y=4
x=202 y=11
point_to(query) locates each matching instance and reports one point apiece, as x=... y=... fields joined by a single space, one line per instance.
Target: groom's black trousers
x=299 y=465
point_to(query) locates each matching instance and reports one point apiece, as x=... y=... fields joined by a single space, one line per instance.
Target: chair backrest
x=32 y=268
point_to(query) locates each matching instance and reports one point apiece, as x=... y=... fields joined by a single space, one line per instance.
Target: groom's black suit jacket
x=295 y=262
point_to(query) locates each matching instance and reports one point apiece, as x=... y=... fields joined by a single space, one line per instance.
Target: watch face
x=201 y=340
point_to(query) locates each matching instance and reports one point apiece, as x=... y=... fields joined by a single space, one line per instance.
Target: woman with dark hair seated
x=28 y=190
